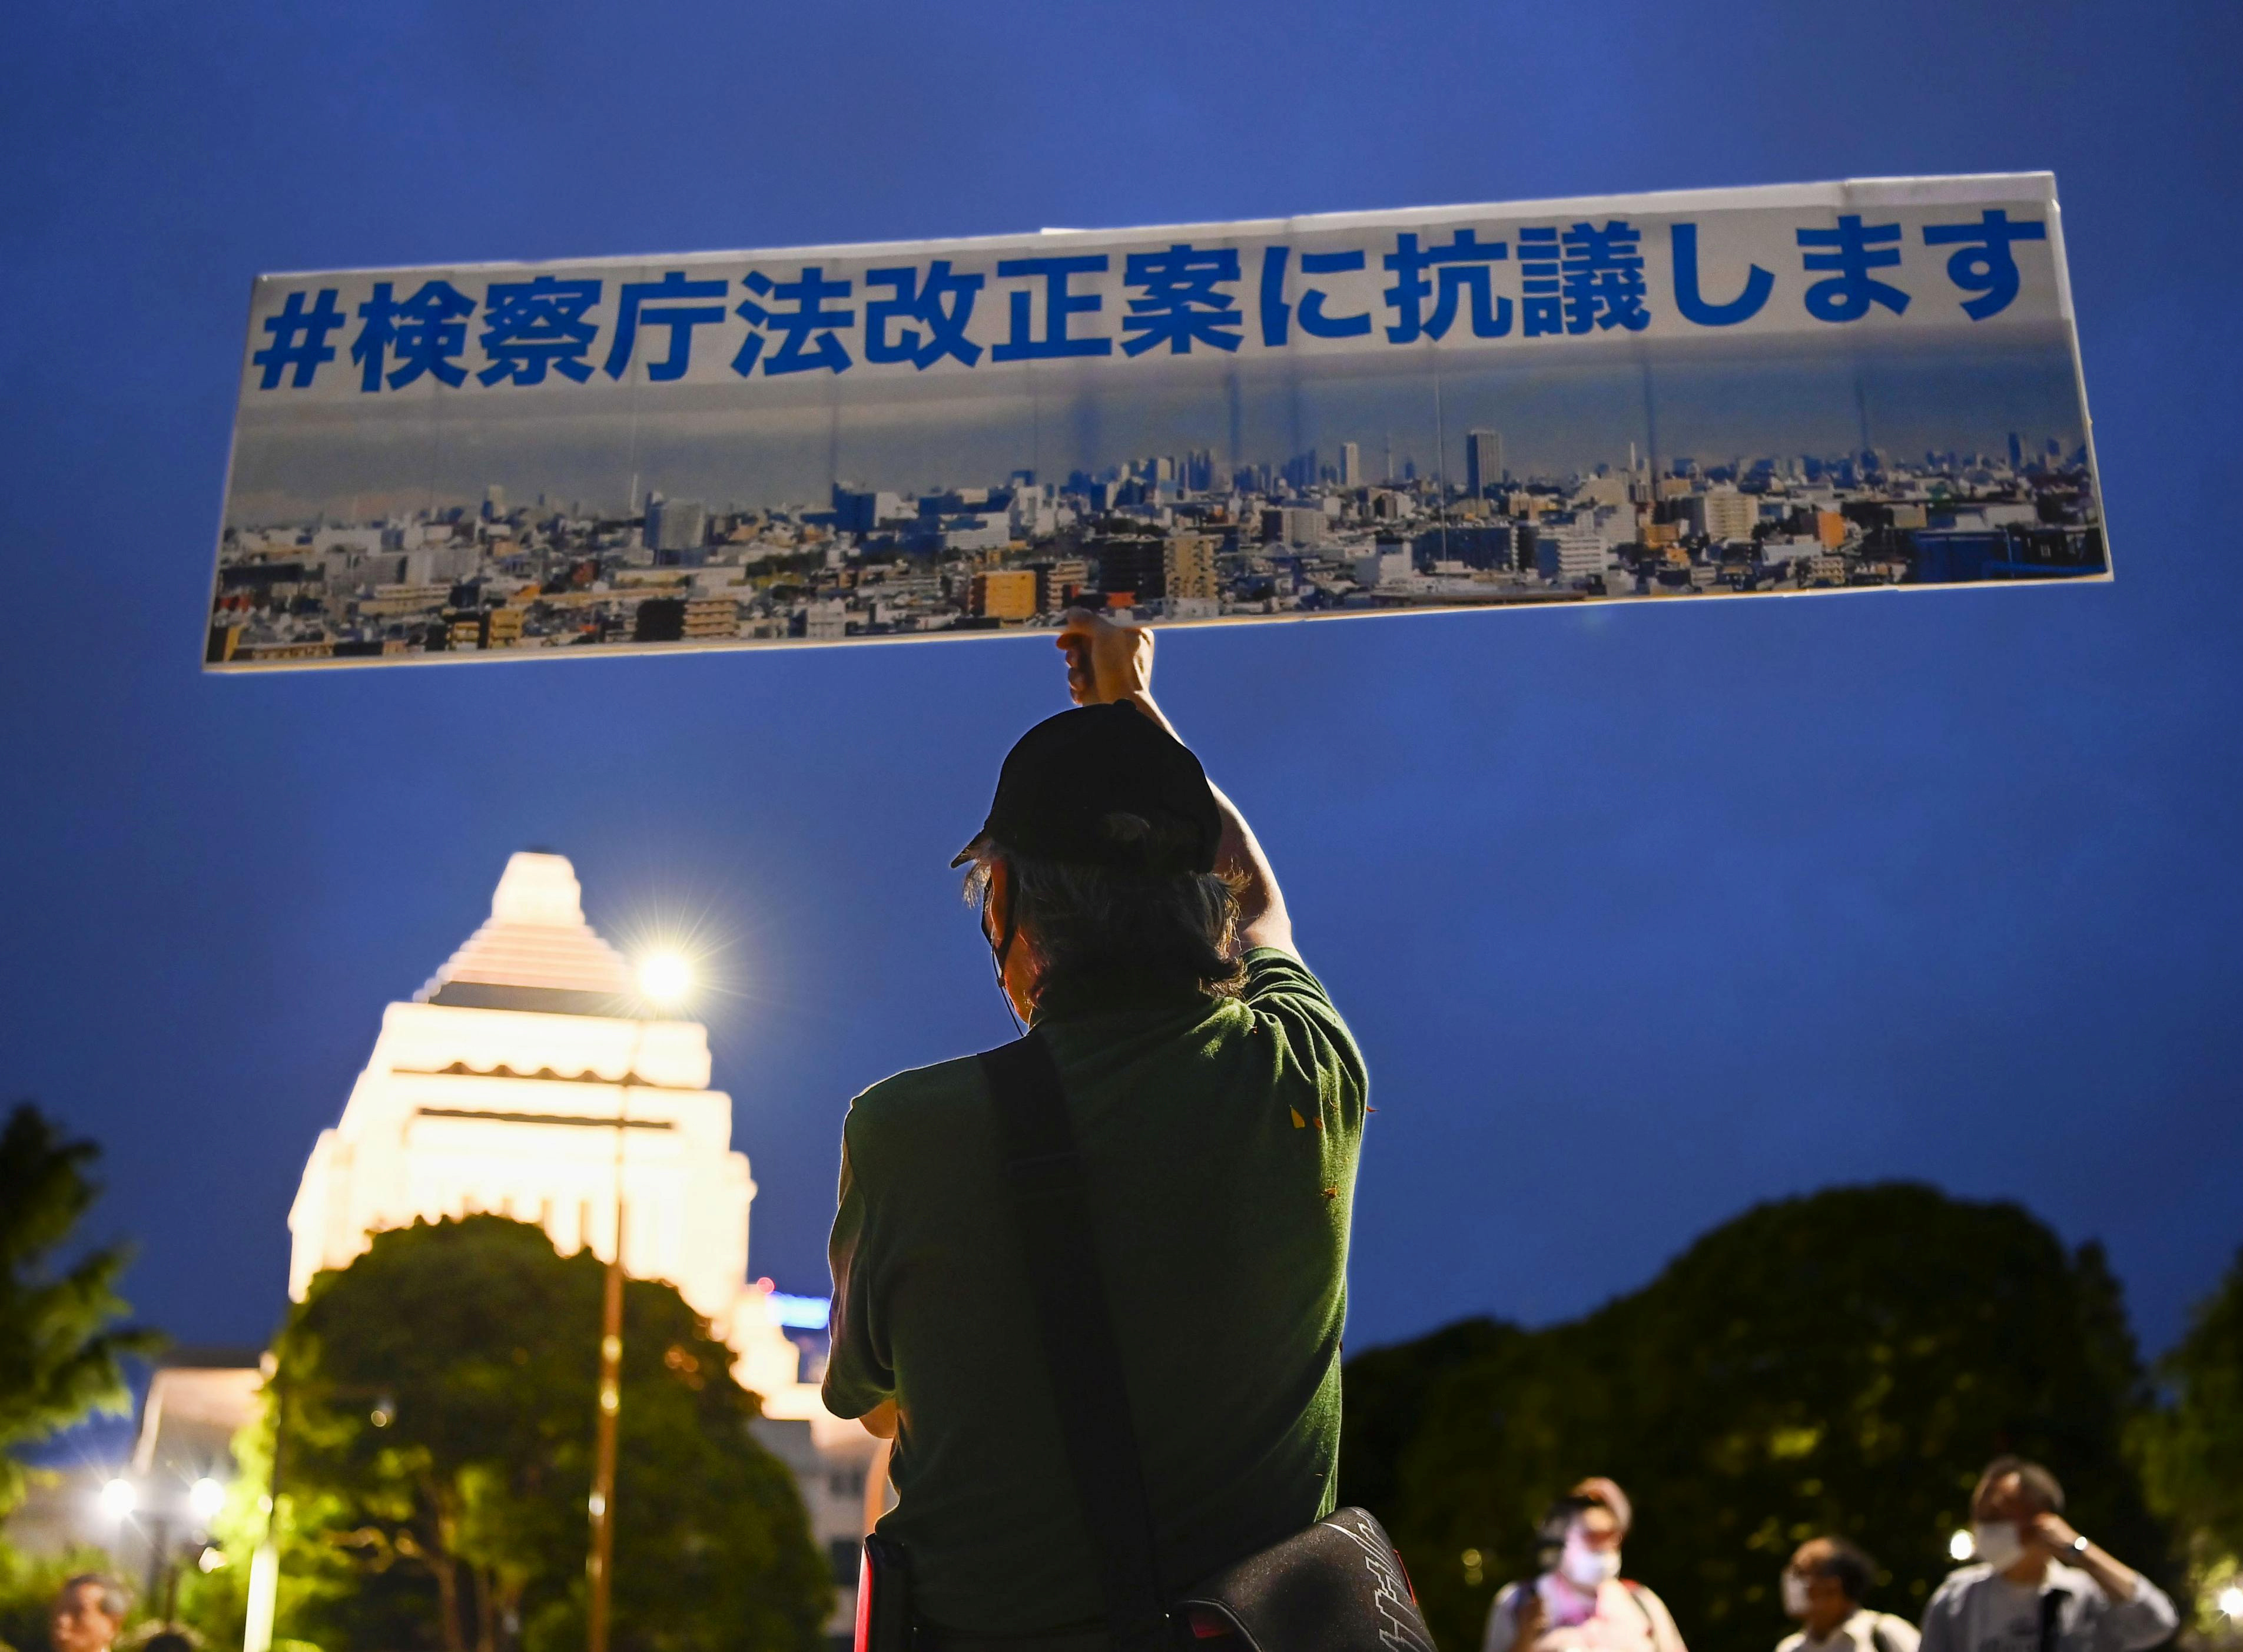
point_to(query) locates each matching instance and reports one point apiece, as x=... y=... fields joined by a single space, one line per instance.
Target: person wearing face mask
x=2038 y=1585
x=1824 y=1587
x=1581 y=1603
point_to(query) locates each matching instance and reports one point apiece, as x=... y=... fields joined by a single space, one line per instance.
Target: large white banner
x=1818 y=388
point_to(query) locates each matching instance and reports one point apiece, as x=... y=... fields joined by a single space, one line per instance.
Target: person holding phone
x=1579 y=1602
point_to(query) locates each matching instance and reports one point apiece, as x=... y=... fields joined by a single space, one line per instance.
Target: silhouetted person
x=1579 y=1602
x=2038 y=1586
x=1824 y=1587
x=1216 y=1103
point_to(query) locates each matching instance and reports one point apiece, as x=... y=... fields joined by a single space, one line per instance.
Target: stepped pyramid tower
x=503 y=1087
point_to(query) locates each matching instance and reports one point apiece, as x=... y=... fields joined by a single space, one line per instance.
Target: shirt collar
x=1107 y=992
x=1841 y=1633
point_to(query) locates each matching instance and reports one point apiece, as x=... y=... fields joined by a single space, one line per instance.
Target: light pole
x=264 y=1561
x=664 y=979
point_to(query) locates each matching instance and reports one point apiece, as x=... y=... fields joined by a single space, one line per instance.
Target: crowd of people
x=2036 y=1585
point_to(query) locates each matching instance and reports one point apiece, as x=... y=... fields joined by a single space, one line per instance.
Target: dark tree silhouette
x=2192 y=1445
x=435 y=1399
x=59 y=1342
x=1845 y=1362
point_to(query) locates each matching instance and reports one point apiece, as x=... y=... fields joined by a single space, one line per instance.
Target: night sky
x=1641 y=914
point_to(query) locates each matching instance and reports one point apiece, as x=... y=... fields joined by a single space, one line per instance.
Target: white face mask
x=1585 y=1567
x=1795 y=1594
x=1997 y=1543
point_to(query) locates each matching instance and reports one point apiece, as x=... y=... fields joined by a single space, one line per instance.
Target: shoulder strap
x=1635 y=1594
x=1044 y=1181
x=1878 y=1638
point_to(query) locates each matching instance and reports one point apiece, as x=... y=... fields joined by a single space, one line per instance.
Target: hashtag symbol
x=300 y=340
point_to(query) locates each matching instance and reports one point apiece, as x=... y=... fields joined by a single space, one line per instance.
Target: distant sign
x=1815 y=387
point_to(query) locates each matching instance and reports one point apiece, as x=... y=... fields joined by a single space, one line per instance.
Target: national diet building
x=504 y=1086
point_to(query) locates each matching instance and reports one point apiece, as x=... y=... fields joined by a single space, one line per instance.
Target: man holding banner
x=1216 y=1101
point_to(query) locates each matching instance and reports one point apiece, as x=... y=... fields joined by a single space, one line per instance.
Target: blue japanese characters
x=1573 y=278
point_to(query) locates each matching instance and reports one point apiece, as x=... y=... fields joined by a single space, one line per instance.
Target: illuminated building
x=499 y=1086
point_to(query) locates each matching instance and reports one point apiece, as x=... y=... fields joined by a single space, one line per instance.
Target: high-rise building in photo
x=1483 y=461
x=675 y=524
x=1157 y=569
x=1188 y=567
x=1721 y=514
x=1004 y=594
x=1350 y=464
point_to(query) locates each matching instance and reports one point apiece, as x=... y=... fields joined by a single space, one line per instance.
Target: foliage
x=2192 y=1446
x=436 y=1426
x=28 y=1584
x=1385 y=1397
x=60 y=1346
x=1843 y=1363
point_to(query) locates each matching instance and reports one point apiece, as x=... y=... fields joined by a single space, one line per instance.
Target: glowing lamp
x=664 y=977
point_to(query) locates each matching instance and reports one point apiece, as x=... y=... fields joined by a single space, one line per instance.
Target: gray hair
x=1084 y=920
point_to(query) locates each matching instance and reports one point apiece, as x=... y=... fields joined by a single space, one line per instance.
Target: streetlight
x=664 y=979
x=205 y=1498
x=1962 y=1546
x=118 y=1499
x=2231 y=1601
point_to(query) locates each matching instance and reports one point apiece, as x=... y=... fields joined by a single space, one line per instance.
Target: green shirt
x=1220 y=1139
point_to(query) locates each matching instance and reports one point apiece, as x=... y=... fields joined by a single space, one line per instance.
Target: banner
x=1821 y=388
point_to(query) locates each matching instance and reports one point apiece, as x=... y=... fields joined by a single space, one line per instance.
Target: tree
x=1385 y=1395
x=434 y=1411
x=2192 y=1445
x=59 y=1342
x=1841 y=1363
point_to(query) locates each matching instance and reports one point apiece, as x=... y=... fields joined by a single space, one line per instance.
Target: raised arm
x=1107 y=662
x=2140 y=1615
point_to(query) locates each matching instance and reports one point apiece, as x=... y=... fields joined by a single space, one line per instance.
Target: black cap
x=1066 y=775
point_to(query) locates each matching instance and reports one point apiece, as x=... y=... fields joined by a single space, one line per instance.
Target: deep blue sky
x=1641 y=914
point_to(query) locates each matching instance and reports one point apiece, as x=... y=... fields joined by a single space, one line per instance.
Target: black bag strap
x=1635 y=1594
x=1044 y=1180
x=2051 y=1617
